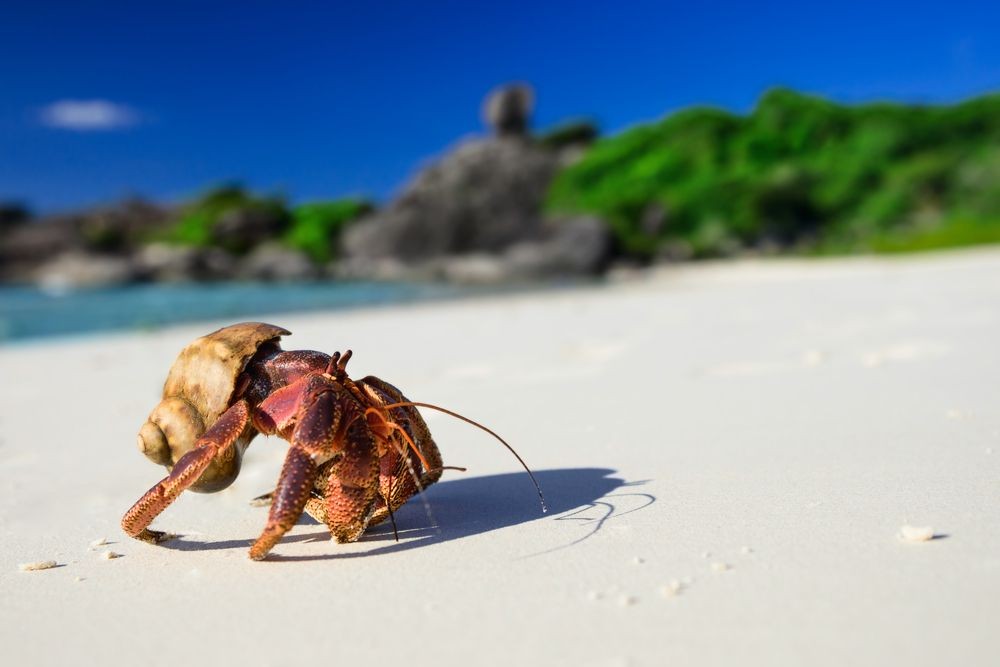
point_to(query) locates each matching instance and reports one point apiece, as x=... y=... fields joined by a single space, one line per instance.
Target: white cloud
x=88 y=115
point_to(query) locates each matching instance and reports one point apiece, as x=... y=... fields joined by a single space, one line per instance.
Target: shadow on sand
x=463 y=507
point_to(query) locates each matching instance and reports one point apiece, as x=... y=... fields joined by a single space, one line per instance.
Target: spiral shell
x=199 y=388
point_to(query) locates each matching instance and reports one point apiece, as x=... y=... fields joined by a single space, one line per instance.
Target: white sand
x=803 y=410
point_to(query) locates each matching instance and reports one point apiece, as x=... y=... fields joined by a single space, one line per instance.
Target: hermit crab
x=358 y=450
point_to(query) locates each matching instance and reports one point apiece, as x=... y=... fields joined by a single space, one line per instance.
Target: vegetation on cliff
x=799 y=171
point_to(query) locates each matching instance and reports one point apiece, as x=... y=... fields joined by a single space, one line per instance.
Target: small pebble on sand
x=638 y=560
x=626 y=601
x=721 y=567
x=706 y=554
x=110 y=555
x=99 y=542
x=37 y=565
x=594 y=596
x=746 y=551
x=672 y=589
x=78 y=579
x=910 y=533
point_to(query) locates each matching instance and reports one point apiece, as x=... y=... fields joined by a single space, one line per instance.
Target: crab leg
x=218 y=440
x=289 y=499
x=312 y=443
x=352 y=484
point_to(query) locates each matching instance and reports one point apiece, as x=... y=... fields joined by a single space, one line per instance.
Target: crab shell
x=201 y=386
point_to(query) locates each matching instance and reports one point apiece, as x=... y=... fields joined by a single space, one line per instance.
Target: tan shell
x=199 y=388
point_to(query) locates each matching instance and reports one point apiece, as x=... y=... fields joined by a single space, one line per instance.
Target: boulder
x=275 y=262
x=76 y=270
x=481 y=198
x=507 y=109
x=119 y=230
x=572 y=247
x=240 y=229
x=164 y=262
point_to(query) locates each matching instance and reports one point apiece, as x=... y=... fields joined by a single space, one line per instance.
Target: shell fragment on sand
x=910 y=533
x=37 y=565
x=672 y=589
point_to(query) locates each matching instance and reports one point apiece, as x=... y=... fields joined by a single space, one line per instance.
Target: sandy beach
x=729 y=452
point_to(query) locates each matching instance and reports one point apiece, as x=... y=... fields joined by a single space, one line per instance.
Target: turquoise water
x=32 y=313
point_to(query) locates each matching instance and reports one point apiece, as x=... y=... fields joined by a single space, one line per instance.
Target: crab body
x=354 y=455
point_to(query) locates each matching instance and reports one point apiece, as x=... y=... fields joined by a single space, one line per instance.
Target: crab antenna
x=524 y=465
x=406 y=436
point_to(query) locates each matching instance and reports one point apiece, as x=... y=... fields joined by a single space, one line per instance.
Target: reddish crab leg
x=293 y=490
x=217 y=441
x=313 y=439
x=352 y=484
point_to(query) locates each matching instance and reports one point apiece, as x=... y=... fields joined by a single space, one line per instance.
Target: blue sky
x=321 y=100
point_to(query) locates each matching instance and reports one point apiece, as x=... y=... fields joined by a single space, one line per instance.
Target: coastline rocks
x=274 y=262
x=75 y=270
x=483 y=197
x=569 y=248
x=573 y=247
x=241 y=229
x=165 y=262
x=68 y=244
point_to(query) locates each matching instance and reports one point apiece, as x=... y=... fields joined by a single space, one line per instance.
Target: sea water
x=27 y=312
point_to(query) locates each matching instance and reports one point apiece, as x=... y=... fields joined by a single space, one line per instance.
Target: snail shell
x=200 y=386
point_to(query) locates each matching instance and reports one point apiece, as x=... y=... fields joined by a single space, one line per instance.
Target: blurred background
x=168 y=162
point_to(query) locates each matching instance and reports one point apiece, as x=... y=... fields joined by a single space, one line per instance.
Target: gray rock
x=241 y=229
x=164 y=262
x=573 y=247
x=507 y=109
x=481 y=198
x=474 y=269
x=75 y=270
x=216 y=264
x=118 y=229
x=275 y=262
x=167 y=262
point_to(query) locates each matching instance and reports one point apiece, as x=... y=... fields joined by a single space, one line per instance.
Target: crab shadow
x=464 y=507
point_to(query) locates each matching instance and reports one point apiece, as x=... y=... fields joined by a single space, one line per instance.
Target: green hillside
x=799 y=172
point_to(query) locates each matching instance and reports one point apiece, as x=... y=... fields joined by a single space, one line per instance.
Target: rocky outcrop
x=568 y=248
x=242 y=229
x=482 y=197
x=572 y=247
x=477 y=213
x=77 y=270
x=63 y=241
x=274 y=262
x=165 y=262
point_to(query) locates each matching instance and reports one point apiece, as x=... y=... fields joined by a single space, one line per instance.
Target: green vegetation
x=798 y=172
x=316 y=227
x=221 y=218
x=236 y=220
